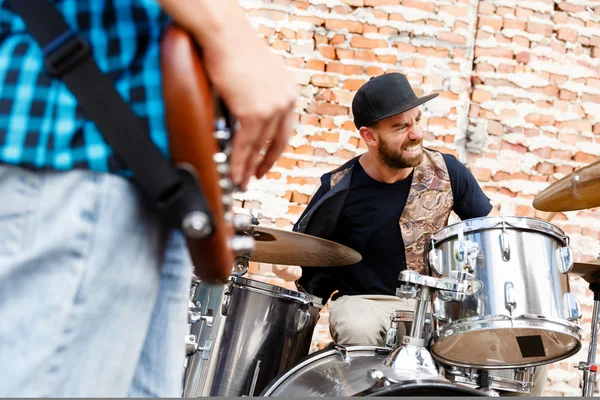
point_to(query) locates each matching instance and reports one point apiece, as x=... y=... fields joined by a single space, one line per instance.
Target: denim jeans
x=93 y=290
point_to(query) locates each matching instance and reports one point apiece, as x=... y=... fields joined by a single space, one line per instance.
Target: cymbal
x=276 y=246
x=589 y=271
x=576 y=191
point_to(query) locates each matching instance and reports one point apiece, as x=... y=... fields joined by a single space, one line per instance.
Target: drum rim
x=277 y=291
x=495 y=222
x=568 y=328
x=311 y=358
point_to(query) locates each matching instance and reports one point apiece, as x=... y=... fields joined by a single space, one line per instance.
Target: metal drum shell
x=263 y=329
x=523 y=316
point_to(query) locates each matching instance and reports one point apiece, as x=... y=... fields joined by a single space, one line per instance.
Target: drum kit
x=494 y=310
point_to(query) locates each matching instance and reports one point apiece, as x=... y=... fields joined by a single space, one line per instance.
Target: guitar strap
x=67 y=56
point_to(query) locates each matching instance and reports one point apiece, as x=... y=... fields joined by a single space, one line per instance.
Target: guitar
x=200 y=134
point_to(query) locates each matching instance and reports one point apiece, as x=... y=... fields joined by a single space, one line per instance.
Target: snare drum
x=248 y=332
x=523 y=315
x=517 y=381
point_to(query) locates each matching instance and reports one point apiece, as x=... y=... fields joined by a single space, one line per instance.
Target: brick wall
x=519 y=104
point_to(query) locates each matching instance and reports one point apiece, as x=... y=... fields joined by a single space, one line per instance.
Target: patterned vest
x=427 y=208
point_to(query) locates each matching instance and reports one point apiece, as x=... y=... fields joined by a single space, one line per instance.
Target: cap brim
x=409 y=106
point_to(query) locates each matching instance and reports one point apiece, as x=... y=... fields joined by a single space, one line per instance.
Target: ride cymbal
x=276 y=246
x=588 y=271
x=576 y=191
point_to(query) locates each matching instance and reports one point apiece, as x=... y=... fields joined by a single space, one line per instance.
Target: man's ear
x=368 y=135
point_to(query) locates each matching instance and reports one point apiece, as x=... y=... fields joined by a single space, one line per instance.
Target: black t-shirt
x=369 y=224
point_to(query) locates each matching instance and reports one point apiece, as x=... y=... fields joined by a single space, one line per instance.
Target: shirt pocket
x=19 y=198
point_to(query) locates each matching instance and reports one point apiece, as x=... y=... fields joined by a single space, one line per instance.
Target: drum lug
x=505 y=243
x=191 y=345
x=510 y=301
x=572 y=307
x=226 y=300
x=302 y=318
x=341 y=350
x=565 y=259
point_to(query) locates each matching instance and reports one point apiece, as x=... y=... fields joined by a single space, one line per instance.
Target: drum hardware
x=590 y=272
x=411 y=353
x=530 y=321
x=484 y=385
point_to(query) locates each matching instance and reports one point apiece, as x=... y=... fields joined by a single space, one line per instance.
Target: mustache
x=412 y=143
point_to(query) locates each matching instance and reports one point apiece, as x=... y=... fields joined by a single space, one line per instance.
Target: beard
x=394 y=158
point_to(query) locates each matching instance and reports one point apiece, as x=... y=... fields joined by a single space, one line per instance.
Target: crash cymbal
x=589 y=270
x=576 y=191
x=276 y=246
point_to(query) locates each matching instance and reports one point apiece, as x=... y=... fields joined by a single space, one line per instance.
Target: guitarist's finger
x=277 y=145
x=269 y=130
x=243 y=143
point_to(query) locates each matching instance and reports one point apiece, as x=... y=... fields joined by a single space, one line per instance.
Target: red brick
x=494 y=23
x=521 y=12
x=354 y=69
x=309 y=18
x=540 y=119
x=387 y=59
x=493 y=52
x=521 y=41
x=567 y=95
x=365 y=55
x=485 y=8
x=375 y=3
x=405 y=48
x=337 y=40
x=374 y=71
x=364 y=43
x=581 y=125
x=564 y=169
x=544 y=29
x=452 y=37
x=327 y=81
x=327 y=51
x=353 y=84
x=327 y=109
x=585 y=158
x=336 y=67
x=455 y=10
x=434 y=51
x=430 y=7
x=317 y=65
x=545 y=168
x=502 y=11
x=567 y=34
x=350 y=26
x=514 y=24
x=481 y=174
x=596 y=129
x=480 y=95
x=344 y=54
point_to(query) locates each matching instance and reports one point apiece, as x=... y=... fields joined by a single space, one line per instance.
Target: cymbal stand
x=590 y=368
x=410 y=350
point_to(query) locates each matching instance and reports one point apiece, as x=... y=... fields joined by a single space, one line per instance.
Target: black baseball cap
x=384 y=96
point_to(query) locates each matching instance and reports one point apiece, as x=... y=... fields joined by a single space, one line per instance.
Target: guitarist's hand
x=251 y=79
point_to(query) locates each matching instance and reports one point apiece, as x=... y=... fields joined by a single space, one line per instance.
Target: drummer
x=384 y=204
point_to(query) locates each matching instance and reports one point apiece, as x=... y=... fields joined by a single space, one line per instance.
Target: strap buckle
x=65 y=52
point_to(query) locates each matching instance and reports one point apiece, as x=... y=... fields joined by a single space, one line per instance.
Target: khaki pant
x=364 y=320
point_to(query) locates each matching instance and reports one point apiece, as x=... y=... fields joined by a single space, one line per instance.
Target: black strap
x=68 y=57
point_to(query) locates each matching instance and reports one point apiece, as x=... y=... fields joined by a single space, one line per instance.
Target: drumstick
x=550 y=216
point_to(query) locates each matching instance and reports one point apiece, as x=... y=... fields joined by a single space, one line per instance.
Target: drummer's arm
x=469 y=199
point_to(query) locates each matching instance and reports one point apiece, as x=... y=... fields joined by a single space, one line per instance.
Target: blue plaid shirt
x=41 y=125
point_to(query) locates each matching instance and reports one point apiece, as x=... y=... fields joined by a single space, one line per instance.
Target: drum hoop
x=488 y=223
x=276 y=291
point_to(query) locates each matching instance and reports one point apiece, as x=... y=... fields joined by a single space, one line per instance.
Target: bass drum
x=339 y=371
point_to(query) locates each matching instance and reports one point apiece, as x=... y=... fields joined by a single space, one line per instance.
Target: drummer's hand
x=289 y=273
